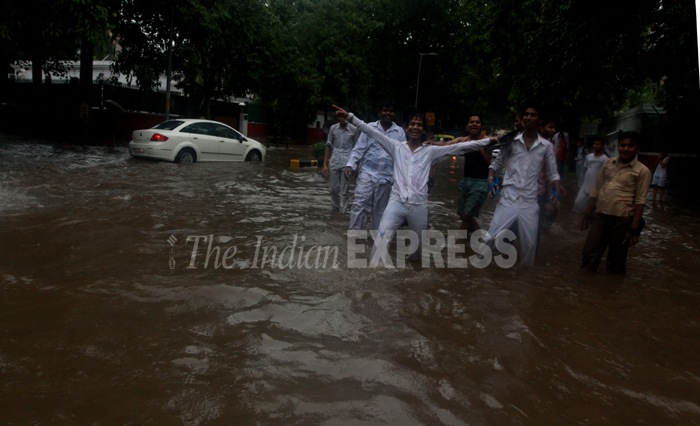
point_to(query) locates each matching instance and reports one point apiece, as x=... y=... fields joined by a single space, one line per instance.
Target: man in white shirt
x=658 y=180
x=526 y=157
x=412 y=162
x=341 y=139
x=375 y=171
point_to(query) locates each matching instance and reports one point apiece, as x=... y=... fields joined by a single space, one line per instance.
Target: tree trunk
x=7 y=69
x=87 y=50
x=37 y=73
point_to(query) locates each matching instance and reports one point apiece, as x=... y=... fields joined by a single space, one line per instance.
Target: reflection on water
x=107 y=317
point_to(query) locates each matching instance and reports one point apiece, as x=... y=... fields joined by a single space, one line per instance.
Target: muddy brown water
x=109 y=316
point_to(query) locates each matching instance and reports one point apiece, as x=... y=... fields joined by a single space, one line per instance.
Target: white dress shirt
x=411 y=168
x=520 y=179
x=341 y=140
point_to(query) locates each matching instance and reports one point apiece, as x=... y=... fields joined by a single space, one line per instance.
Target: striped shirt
x=341 y=142
x=371 y=159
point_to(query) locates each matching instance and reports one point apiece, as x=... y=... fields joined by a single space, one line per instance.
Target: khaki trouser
x=606 y=232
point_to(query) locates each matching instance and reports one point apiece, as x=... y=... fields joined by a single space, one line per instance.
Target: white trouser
x=395 y=215
x=370 y=199
x=581 y=201
x=338 y=183
x=580 y=174
x=527 y=216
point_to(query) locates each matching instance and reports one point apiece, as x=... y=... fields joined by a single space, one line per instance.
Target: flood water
x=108 y=314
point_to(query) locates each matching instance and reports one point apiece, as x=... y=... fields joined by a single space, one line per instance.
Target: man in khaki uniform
x=615 y=207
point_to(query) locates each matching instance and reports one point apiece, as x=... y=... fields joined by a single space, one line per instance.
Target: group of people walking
x=392 y=167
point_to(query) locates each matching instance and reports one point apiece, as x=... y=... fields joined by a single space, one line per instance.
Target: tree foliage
x=574 y=58
x=672 y=57
x=579 y=58
x=49 y=32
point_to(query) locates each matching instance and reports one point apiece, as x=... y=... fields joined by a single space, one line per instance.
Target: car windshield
x=168 y=125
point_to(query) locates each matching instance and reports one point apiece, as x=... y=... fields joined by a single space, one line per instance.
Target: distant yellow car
x=443 y=138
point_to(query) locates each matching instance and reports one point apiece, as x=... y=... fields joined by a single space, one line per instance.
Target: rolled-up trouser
x=338 y=183
x=472 y=195
x=527 y=218
x=370 y=199
x=395 y=215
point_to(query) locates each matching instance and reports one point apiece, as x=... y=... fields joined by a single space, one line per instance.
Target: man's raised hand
x=340 y=112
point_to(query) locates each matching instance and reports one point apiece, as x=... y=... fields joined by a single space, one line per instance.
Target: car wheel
x=187 y=155
x=254 y=155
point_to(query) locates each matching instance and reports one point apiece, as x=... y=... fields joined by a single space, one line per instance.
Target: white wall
x=100 y=70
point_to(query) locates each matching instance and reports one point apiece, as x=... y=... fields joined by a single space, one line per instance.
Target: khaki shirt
x=620 y=186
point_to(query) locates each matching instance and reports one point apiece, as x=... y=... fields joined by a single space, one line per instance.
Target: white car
x=192 y=140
